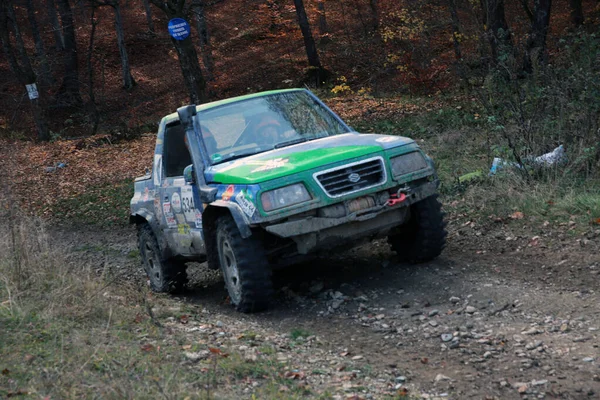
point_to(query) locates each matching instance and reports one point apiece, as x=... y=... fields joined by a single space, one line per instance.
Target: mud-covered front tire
x=424 y=236
x=245 y=267
x=165 y=276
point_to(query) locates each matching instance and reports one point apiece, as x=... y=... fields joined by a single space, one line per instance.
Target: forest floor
x=510 y=310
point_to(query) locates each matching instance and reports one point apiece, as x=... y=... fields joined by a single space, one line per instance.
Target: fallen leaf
x=5 y=371
x=294 y=374
x=517 y=215
x=184 y=319
x=214 y=350
x=147 y=347
x=424 y=360
x=596 y=221
x=186 y=346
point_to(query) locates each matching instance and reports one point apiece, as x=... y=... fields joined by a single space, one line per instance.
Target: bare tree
x=205 y=46
x=90 y=68
x=69 y=90
x=576 y=12
x=536 y=42
x=188 y=58
x=128 y=81
x=149 y=19
x=455 y=28
x=374 y=4
x=21 y=65
x=309 y=43
x=56 y=29
x=45 y=74
x=322 y=18
x=497 y=31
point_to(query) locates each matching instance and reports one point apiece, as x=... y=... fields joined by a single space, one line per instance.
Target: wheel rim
x=230 y=270
x=153 y=269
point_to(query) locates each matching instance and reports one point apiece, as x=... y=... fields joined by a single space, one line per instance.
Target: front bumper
x=314 y=232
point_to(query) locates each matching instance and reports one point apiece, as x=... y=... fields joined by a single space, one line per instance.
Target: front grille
x=353 y=177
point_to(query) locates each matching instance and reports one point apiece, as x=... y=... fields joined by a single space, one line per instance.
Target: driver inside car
x=267 y=131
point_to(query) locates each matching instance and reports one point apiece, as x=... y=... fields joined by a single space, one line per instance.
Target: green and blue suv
x=266 y=179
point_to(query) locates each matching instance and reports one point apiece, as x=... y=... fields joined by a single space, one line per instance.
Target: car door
x=182 y=217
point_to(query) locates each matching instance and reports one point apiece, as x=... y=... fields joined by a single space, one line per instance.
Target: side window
x=175 y=154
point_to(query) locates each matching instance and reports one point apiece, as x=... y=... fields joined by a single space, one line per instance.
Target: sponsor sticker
x=167 y=207
x=171 y=222
x=168 y=212
x=271 y=164
x=228 y=193
x=387 y=139
x=176 y=202
x=198 y=220
x=183 y=229
x=157 y=208
x=246 y=205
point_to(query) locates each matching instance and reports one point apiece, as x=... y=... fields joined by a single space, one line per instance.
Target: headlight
x=407 y=163
x=284 y=197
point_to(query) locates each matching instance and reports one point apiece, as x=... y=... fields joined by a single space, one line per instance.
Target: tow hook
x=397 y=198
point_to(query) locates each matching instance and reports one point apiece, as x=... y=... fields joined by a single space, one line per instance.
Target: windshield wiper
x=290 y=142
x=245 y=154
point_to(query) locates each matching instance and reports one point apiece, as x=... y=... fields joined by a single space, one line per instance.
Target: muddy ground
x=509 y=311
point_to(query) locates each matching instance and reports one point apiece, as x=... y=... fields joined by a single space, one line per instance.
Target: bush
x=530 y=114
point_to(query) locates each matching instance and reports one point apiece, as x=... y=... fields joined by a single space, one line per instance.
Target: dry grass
x=69 y=331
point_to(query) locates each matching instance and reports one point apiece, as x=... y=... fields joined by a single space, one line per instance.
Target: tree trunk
x=188 y=58
x=19 y=40
x=576 y=12
x=23 y=72
x=455 y=29
x=322 y=18
x=56 y=29
x=498 y=33
x=536 y=42
x=148 y=10
x=309 y=41
x=68 y=93
x=45 y=74
x=90 y=67
x=128 y=81
x=190 y=68
x=374 y=13
x=205 y=46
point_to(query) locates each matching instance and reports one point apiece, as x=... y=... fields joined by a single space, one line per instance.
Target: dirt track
x=499 y=315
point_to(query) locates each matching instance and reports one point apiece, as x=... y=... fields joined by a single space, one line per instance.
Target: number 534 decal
x=187 y=204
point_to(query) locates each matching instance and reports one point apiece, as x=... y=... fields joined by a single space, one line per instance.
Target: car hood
x=301 y=157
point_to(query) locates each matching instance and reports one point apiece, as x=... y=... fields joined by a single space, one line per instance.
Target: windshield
x=261 y=124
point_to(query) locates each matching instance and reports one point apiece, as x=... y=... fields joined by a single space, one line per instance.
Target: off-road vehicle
x=266 y=179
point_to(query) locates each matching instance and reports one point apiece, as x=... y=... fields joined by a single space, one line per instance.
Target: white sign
x=32 y=91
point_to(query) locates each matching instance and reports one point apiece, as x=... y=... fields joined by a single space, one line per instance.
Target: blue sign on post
x=179 y=28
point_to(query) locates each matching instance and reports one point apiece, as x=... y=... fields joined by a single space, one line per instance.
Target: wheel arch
x=144 y=217
x=210 y=215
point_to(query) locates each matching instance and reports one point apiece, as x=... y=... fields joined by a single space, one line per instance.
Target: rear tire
x=424 y=236
x=165 y=276
x=245 y=267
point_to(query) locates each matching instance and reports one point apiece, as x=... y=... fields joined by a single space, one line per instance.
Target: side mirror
x=188 y=174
